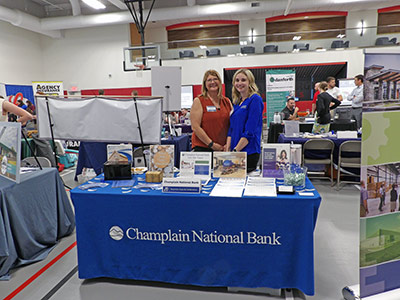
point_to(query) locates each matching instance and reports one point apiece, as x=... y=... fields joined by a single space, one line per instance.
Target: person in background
x=101 y=92
x=290 y=111
x=324 y=106
x=21 y=104
x=363 y=200
x=209 y=115
x=393 y=198
x=333 y=90
x=134 y=93
x=185 y=113
x=246 y=119
x=31 y=108
x=356 y=97
x=8 y=107
x=382 y=192
x=314 y=101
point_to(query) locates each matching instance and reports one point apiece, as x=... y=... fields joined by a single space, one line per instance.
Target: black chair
x=383 y=41
x=186 y=53
x=346 y=160
x=248 y=50
x=213 y=52
x=301 y=46
x=340 y=44
x=270 y=48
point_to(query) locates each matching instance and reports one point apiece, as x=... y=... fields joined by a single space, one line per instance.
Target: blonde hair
x=253 y=89
x=204 y=87
x=323 y=85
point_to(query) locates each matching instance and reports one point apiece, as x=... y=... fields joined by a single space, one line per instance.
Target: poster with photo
x=380 y=160
x=275 y=158
x=119 y=152
x=195 y=164
x=10 y=150
x=162 y=159
x=230 y=164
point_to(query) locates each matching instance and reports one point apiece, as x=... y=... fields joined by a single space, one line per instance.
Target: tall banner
x=50 y=88
x=380 y=176
x=280 y=84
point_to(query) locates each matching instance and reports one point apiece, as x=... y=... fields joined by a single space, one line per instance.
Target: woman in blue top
x=246 y=119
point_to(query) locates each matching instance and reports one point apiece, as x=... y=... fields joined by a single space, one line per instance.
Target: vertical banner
x=380 y=176
x=10 y=150
x=280 y=84
x=50 y=88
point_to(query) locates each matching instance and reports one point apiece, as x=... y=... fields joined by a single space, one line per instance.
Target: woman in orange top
x=209 y=115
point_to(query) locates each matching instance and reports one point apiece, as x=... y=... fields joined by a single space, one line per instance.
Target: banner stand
x=30 y=148
x=140 y=133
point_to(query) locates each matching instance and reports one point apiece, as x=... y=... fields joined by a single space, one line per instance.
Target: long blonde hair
x=253 y=89
x=204 y=87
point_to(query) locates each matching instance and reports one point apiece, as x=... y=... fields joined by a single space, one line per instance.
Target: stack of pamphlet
x=260 y=186
x=228 y=187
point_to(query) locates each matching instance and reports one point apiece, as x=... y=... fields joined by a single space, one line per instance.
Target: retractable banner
x=380 y=159
x=3 y=90
x=280 y=84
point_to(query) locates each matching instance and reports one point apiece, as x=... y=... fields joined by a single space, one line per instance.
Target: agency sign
x=51 y=88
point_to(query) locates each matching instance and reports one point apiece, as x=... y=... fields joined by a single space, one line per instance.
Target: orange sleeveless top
x=215 y=122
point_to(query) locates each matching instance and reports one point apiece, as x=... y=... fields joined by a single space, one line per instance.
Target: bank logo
x=272 y=79
x=116 y=233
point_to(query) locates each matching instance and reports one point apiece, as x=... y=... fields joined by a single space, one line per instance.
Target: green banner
x=280 y=84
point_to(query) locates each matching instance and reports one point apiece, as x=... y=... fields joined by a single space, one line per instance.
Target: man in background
x=334 y=91
x=290 y=111
x=356 y=97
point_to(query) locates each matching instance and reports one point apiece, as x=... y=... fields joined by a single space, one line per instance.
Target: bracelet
x=210 y=144
x=234 y=150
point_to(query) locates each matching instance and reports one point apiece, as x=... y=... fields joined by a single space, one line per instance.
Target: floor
x=336 y=264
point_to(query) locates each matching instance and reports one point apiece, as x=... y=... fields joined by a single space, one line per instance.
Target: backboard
x=141 y=57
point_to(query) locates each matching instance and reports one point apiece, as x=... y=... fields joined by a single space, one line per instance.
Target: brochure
x=275 y=158
x=230 y=164
x=162 y=159
x=195 y=164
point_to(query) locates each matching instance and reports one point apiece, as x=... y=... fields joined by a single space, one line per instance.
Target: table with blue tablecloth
x=34 y=215
x=94 y=154
x=197 y=239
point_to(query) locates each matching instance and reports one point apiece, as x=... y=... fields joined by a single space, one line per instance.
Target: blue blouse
x=246 y=121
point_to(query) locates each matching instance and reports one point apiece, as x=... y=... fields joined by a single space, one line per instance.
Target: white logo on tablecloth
x=116 y=233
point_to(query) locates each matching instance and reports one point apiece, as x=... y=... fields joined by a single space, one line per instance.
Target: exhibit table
x=275 y=129
x=185 y=127
x=35 y=214
x=197 y=239
x=94 y=154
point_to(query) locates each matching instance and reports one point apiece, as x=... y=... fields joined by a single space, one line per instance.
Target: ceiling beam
x=289 y=4
x=118 y=3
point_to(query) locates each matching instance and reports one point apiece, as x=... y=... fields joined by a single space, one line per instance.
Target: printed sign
x=51 y=88
x=10 y=150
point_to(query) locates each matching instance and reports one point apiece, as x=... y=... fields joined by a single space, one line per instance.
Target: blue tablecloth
x=34 y=215
x=299 y=140
x=197 y=239
x=94 y=154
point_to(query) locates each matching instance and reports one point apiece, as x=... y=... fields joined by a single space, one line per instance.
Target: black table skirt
x=276 y=129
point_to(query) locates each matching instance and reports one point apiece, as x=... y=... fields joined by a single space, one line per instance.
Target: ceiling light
x=306 y=17
x=340 y=36
x=201 y=25
x=296 y=37
x=94 y=4
x=203 y=47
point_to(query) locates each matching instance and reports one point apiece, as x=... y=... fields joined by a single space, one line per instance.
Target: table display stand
x=30 y=148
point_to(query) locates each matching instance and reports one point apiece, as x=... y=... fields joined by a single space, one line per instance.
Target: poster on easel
x=280 y=84
x=380 y=180
x=10 y=150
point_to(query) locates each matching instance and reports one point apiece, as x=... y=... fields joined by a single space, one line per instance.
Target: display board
x=3 y=90
x=346 y=86
x=280 y=84
x=10 y=150
x=167 y=82
x=380 y=159
x=186 y=96
x=100 y=119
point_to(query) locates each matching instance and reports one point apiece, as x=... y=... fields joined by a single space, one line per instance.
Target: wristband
x=234 y=150
x=210 y=144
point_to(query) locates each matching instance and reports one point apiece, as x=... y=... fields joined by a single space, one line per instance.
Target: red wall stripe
x=387 y=9
x=287 y=66
x=206 y=22
x=307 y=14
